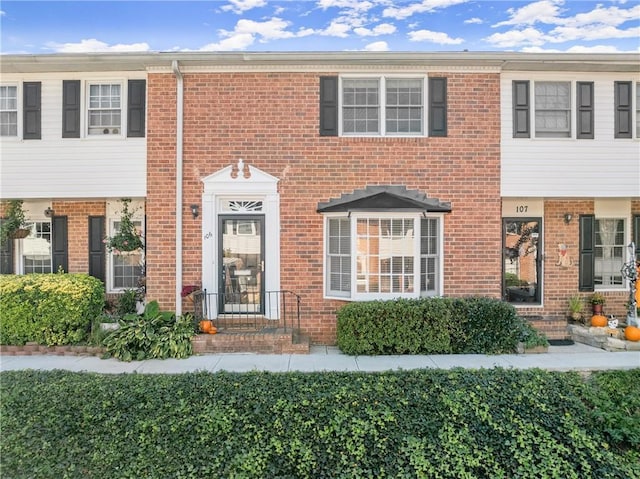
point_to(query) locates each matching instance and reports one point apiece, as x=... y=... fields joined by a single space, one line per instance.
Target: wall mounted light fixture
x=49 y=212
x=195 y=211
x=567 y=218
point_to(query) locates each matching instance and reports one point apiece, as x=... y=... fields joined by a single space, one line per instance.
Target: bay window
x=382 y=255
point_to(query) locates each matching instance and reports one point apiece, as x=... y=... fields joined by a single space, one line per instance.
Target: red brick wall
x=78 y=213
x=271 y=121
x=562 y=282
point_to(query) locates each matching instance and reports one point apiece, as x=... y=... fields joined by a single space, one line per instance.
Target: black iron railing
x=249 y=311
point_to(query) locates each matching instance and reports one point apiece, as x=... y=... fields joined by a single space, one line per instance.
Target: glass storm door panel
x=521 y=260
x=241 y=260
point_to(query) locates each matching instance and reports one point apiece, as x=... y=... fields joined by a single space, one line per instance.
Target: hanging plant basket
x=20 y=233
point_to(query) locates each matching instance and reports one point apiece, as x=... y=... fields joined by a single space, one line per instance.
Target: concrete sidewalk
x=577 y=357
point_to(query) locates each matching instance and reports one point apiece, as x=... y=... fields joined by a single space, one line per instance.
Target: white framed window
x=382 y=106
x=609 y=252
x=552 y=109
x=104 y=109
x=8 y=110
x=35 y=249
x=638 y=110
x=382 y=256
x=126 y=268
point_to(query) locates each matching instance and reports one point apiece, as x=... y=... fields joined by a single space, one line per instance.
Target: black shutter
x=584 y=109
x=59 y=244
x=97 y=257
x=136 y=108
x=31 y=110
x=437 y=107
x=622 y=109
x=6 y=255
x=328 y=106
x=71 y=109
x=587 y=256
x=521 y=113
x=636 y=239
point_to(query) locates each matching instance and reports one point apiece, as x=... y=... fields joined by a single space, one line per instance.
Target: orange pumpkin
x=212 y=330
x=598 y=320
x=632 y=333
x=205 y=325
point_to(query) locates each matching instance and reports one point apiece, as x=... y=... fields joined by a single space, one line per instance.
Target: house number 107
x=521 y=209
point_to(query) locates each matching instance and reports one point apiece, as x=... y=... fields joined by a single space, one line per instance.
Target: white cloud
x=2 y=13
x=246 y=32
x=93 y=46
x=377 y=47
x=475 y=21
x=514 y=38
x=336 y=29
x=434 y=37
x=545 y=11
x=608 y=16
x=382 y=29
x=356 y=5
x=590 y=32
x=240 y=6
x=424 y=6
x=238 y=41
x=574 y=49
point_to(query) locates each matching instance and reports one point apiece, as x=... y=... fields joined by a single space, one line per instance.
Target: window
x=382 y=106
x=104 y=109
x=609 y=252
x=8 y=110
x=382 y=255
x=553 y=109
x=126 y=268
x=637 y=110
x=36 y=249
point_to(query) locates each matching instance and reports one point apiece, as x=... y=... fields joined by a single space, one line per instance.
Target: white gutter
x=179 y=134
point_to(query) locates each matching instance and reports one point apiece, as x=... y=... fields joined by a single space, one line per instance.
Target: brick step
x=265 y=341
x=553 y=328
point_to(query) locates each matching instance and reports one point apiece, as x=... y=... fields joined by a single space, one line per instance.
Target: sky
x=43 y=27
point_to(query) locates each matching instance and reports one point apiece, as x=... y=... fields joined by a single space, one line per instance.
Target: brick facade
x=271 y=121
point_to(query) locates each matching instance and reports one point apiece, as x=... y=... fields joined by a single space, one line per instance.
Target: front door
x=241 y=260
x=522 y=260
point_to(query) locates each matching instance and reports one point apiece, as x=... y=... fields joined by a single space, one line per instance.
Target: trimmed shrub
x=52 y=309
x=428 y=326
x=402 y=326
x=427 y=423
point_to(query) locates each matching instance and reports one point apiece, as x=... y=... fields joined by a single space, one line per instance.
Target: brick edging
x=32 y=349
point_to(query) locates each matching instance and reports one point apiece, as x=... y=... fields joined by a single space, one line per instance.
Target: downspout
x=179 y=135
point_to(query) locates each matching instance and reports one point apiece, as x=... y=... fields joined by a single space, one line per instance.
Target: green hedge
x=429 y=326
x=404 y=424
x=51 y=309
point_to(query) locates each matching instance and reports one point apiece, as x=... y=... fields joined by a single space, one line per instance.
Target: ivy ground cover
x=406 y=424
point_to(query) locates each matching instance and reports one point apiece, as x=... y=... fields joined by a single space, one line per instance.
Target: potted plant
x=576 y=307
x=14 y=225
x=597 y=301
x=128 y=238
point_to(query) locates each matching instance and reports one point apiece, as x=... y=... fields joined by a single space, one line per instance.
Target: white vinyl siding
x=8 y=110
x=93 y=166
x=602 y=167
